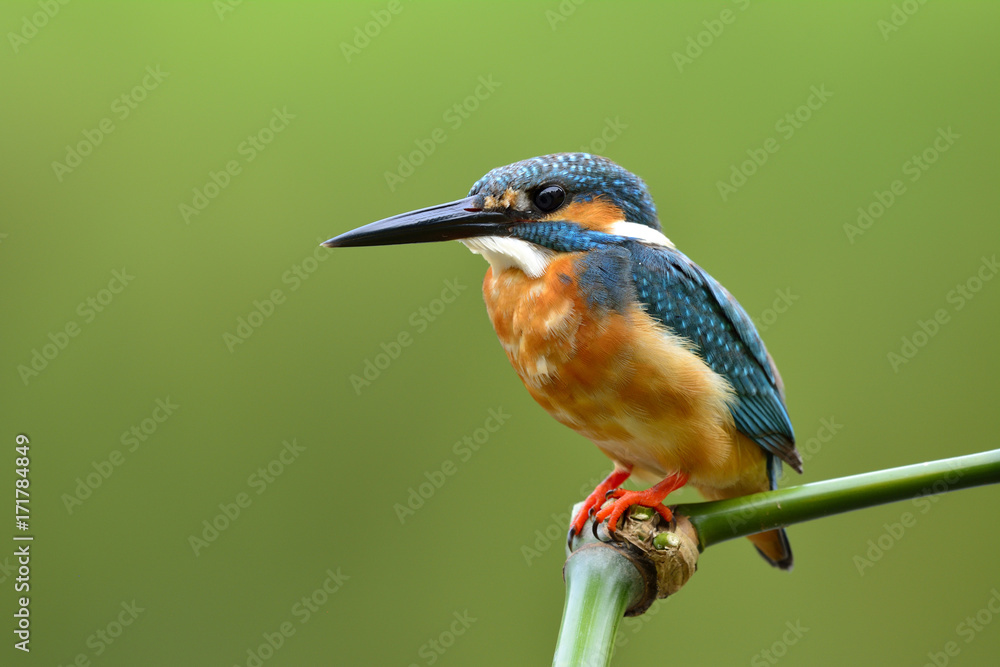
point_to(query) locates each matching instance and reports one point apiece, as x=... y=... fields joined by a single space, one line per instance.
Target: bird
x=617 y=334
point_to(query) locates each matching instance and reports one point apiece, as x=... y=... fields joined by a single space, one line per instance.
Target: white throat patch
x=503 y=253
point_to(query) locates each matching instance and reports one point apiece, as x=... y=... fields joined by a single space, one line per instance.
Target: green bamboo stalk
x=723 y=520
x=602 y=583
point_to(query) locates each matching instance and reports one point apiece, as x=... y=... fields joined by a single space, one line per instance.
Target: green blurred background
x=309 y=115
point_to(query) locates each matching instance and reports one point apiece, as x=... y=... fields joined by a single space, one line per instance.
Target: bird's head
x=522 y=214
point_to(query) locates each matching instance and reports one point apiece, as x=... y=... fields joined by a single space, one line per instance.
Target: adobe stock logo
x=31 y=25
x=900 y=14
x=779 y=649
x=131 y=439
x=787 y=127
x=302 y=610
x=455 y=116
x=958 y=298
x=696 y=44
x=609 y=134
x=784 y=299
x=566 y=8
x=262 y=310
x=122 y=107
x=914 y=168
x=107 y=634
x=249 y=149
x=260 y=480
x=420 y=320
x=363 y=35
x=877 y=547
x=432 y=650
x=60 y=340
x=464 y=450
x=223 y=7
x=967 y=630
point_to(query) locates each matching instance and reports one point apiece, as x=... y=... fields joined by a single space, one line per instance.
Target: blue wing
x=683 y=297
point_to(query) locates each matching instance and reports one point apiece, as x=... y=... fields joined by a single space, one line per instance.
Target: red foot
x=597 y=498
x=651 y=497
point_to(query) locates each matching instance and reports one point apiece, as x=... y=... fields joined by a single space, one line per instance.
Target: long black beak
x=460 y=219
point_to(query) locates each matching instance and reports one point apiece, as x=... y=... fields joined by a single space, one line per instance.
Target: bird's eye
x=550 y=198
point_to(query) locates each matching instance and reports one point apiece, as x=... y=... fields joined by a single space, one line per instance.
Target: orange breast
x=618 y=378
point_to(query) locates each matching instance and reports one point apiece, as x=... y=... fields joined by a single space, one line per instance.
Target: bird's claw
x=593 y=527
x=590 y=511
x=593 y=508
x=616 y=510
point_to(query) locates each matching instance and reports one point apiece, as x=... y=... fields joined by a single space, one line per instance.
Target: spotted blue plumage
x=684 y=298
x=563 y=236
x=681 y=296
x=582 y=175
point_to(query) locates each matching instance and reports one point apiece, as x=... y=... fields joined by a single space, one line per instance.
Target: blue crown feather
x=583 y=176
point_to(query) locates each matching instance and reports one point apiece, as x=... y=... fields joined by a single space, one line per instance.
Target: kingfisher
x=617 y=334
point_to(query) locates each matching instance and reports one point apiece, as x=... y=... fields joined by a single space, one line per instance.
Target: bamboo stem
x=602 y=582
x=723 y=520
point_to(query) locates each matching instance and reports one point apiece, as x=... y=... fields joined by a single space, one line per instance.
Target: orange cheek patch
x=596 y=214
